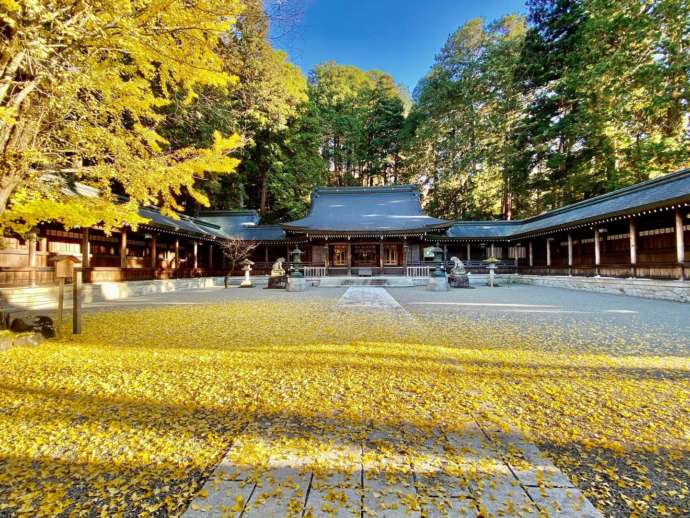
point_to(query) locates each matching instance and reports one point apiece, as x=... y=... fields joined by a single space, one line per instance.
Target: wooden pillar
x=492 y=253
x=154 y=251
x=266 y=253
x=531 y=254
x=85 y=249
x=680 y=243
x=123 y=248
x=405 y=251
x=381 y=256
x=597 y=250
x=632 y=235
x=469 y=249
x=326 y=251
x=349 y=258
x=195 y=248
x=43 y=245
x=570 y=253
x=32 y=260
x=548 y=252
x=210 y=255
x=176 y=260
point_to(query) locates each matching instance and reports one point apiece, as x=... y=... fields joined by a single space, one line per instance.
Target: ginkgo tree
x=82 y=85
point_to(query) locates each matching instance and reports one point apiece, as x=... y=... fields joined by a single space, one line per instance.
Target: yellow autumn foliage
x=82 y=85
x=133 y=415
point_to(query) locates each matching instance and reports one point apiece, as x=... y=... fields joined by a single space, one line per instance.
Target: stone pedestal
x=459 y=281
x=296 y=284
x=437 y=284
x=277 y=282
x=492 y=276
x=247 y=281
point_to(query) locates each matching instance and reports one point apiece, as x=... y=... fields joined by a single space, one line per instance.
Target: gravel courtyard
x=516 y=400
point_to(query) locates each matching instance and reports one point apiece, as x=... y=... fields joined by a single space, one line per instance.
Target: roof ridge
x=227 y=212
x=358 y=189
x=488 y=222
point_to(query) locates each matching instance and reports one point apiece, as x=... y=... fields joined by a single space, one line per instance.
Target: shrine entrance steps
x=386 y=282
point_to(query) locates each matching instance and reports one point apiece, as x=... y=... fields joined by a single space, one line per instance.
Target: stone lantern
x=491 y=266
x=437 y=279
x=438 y=261
x=246 y=268
x=296 y=262
x=296 y=280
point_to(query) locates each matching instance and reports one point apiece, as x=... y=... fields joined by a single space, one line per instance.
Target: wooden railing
x=314 y=271
x=417 y=271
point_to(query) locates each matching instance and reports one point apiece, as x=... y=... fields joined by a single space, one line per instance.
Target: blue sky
x=400 y=37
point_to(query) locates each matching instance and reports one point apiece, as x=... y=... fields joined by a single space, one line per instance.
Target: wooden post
x=349 y=258
x=492 y=252
x=325 y=256
x=632 y=234
x=381 y=256
x=195 y=248
x=85 y=249
x=61 y=305
x=531 y=254
x=570 y=253
x=76 y=301
x=469 y=249
x=176 y=261
x=597 y=250
x=154 y=251
x=32 y=260
x=680 y=243
x=123 y=248
x=210 y=256
x=548 y=252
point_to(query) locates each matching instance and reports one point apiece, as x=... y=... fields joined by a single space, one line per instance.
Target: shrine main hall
x=639 y=231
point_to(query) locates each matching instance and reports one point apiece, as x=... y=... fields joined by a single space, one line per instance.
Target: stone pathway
x=320 y=467
x=368 y=297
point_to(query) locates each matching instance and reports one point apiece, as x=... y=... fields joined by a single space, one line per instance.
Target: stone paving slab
x=369 y=298
x=335 y=495
x=442 y=507
x=563 y=502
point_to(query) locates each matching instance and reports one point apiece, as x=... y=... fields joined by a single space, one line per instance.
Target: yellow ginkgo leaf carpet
x=132 y=417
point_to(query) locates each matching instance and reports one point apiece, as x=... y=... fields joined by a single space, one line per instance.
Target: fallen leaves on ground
x=133 y=415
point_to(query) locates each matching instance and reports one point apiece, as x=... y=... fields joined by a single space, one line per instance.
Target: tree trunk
x=8 y=184
x=263 y=202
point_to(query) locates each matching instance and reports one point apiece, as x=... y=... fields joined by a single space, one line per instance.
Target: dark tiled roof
x=482 y=229
x=664 y=190
x=264 y=233
x=398 y=209
x=368 y=209
x=184 y=224
x=234 y=223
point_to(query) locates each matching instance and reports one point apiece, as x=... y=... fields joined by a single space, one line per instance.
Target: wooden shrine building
x=638 y=231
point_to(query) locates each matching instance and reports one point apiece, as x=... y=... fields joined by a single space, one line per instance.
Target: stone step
x=387 y=282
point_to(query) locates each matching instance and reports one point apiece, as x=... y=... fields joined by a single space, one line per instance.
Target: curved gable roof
x=368 y=209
